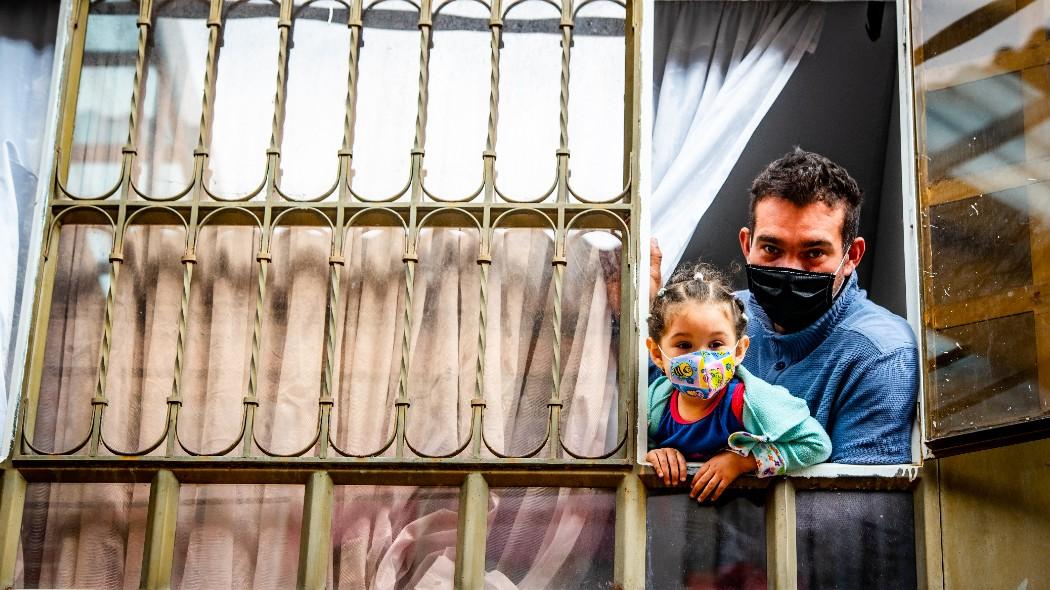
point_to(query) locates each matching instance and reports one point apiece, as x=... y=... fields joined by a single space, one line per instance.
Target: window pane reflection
x=855 y=540
x=720 y=545
x=983 y=121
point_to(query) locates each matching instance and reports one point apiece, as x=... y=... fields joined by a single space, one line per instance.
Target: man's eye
x=771 y=250
x=814 y=254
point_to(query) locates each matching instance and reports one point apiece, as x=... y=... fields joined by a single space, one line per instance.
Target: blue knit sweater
x=857 y=368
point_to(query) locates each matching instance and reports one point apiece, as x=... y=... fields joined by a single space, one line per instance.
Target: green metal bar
x=781 y=554
x=26 y=424
x=159 y=547
x=315 y=541
x=99 y=401
x=373 y=471
x=471 y=533
x=629 y=557
x=630 y=335
x=189 y=258
x=12 y=503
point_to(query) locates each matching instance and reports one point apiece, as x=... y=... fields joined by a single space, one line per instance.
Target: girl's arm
x=781 y=435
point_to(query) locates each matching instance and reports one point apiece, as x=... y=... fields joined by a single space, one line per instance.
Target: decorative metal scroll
x=339 y=209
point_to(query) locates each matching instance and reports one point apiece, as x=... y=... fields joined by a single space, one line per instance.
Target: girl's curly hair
x=698 y=282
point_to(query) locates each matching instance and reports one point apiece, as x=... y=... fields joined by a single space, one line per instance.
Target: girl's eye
x=684 y=346
x=716 y=345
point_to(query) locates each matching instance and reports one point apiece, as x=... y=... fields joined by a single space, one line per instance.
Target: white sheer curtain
x=247 y=536
x=718 y=67
x=27 y=44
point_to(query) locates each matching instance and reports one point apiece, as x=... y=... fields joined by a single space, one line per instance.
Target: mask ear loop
x=834 y=274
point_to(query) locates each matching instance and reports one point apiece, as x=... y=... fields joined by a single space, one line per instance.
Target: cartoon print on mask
x=701 y=373
x=683 y=370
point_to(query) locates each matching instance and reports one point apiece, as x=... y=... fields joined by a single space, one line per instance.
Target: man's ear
x=654 y=352
x=745 y=241
x=853 y=255
x=741 y=349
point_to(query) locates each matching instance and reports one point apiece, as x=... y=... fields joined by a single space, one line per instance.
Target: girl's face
x=697 y=326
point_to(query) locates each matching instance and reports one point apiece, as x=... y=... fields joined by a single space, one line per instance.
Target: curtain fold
x=718 y=67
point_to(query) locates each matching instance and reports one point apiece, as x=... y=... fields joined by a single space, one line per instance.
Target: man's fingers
x=655 y=258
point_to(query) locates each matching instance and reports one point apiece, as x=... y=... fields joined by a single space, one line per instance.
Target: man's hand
x=655 y=258
x=717 y=473
x=669 y=465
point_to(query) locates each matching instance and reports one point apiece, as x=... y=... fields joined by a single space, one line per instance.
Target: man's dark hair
x=804 y=178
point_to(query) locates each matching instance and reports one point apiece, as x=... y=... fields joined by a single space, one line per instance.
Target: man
x=812 y=329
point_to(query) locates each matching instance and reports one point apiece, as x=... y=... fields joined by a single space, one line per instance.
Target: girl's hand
x=669 y=465
x=716 y=474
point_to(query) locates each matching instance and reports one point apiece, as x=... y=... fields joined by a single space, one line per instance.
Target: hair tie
x=699 y=276
x=661 y=292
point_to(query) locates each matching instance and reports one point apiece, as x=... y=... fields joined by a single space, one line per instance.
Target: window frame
x=629 y=478
x=919 y=256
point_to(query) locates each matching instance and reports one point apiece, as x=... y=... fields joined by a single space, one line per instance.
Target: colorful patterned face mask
x=701 y=373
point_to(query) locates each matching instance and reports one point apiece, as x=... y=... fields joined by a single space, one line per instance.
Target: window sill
x=825 y=476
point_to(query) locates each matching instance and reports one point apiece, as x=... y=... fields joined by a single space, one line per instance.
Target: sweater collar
x=798 y=345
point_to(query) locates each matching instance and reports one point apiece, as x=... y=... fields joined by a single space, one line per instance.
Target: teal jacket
x=781 y=434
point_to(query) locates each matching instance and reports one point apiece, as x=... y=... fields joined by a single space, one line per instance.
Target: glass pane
x=529 y=90
x=171 y=103
x=983 y=91
x=855 y=540
x=550 y=538
x=393 y=537
x=145 y=335
x=982 y=245
x=720 y=545
x=596 y=101
x=986 y=374
x=518 y=376
x=590 y=341
x=104 y=97
x=219 y=324
x=293 y=332
x=82 y=536
x=387 y=97
x=458 y=108
x=371 y=319
x=315 y=109
x=245 y=86
x=74 y=337
x=237 y=536
x=443 y=368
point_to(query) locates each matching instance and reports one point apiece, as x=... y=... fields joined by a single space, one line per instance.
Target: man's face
x=804 y=238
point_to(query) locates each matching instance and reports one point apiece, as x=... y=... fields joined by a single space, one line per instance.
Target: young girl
x=707 y=407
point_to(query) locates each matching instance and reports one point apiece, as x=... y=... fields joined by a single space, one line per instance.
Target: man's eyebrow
x=817 y=244
x=768 y=239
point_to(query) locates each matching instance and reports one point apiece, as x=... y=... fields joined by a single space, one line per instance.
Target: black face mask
x=793 y=299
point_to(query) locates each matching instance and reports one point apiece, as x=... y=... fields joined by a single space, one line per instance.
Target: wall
x=840 y=103
x=995 y=518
